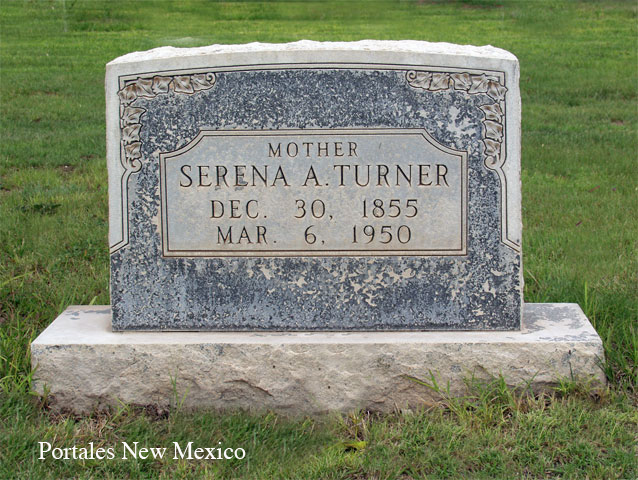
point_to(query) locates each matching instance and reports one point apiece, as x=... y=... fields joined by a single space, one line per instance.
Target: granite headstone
x=315 y=186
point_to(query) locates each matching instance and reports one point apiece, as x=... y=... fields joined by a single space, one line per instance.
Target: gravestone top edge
x=392 y=46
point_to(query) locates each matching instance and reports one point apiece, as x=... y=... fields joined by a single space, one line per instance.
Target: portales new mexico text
x=134 y=451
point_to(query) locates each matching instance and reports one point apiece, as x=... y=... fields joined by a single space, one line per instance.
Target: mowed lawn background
x=579 y=84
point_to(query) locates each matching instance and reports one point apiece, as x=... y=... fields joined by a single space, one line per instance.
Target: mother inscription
x=315 y=186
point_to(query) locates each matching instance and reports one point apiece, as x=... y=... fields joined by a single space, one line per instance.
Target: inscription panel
x=313 y=193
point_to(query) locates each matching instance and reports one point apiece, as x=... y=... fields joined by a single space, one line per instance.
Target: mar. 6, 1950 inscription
x=314 y=192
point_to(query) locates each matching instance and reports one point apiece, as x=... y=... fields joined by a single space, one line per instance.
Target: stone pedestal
x=84 y=365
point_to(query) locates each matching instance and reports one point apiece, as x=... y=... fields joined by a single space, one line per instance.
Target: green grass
x=579 y=85
x=492 y=433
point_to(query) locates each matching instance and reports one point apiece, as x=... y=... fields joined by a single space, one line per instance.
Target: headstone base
x=83 y=366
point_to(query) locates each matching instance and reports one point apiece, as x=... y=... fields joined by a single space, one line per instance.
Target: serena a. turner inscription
x=315 y=186
x=313 y=192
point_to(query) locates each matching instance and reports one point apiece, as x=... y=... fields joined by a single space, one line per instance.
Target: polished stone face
x=313 y=193
x=272 y=192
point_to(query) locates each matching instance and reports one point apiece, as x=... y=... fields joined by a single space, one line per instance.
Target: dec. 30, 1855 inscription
x=314 y=192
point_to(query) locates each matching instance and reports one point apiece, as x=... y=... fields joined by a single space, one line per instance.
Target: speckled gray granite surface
x=161 y=110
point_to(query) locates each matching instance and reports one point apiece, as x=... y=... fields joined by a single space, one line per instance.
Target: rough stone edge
x=410 y=46
x=300 y=373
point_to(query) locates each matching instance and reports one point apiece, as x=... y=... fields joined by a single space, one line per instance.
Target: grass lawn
x=579 y=83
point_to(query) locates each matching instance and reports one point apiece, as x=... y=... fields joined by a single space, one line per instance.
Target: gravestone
x=333 y=219
x=347 y=190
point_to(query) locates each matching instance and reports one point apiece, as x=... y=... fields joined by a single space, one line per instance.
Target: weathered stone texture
x=85 y=366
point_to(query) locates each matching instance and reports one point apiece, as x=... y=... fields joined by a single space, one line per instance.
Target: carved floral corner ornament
x=473 y=84
x=130 y=116
x=493 y=122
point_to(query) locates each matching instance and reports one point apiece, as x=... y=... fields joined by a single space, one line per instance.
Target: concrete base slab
x=85 y=366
